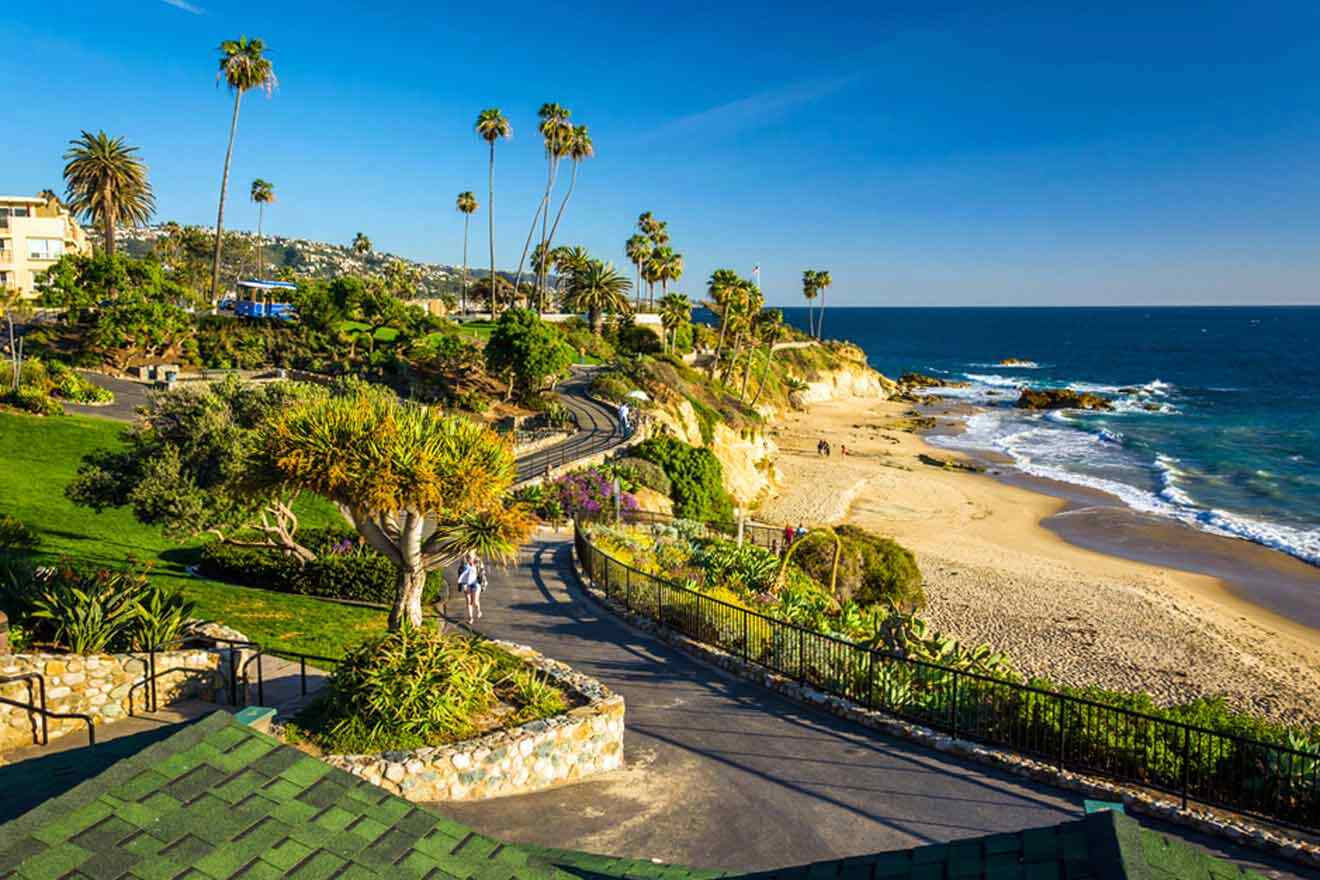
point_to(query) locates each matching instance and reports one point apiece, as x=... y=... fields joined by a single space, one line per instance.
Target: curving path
x=723 y=773
x=599 y=429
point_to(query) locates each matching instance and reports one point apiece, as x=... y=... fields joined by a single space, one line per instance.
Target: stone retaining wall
x=1134 y=800
x=582 y=742
x=105 y=686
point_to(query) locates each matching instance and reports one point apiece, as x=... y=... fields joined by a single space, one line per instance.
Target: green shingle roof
x=219 y=800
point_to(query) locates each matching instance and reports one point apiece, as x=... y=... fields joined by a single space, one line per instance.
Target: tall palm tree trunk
x=719 y=346
x=466 y=218
x=109 y=224
x=490 y=218
x=747 y=375
x=261 y=248
x=820 y=319
x=545 y=217
x=765 y=373
x=811 y=317
x=545 y=247
x=527 y=245
x=220 y=214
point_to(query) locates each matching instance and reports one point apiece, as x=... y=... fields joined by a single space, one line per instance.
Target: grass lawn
x=39 y=456
x=383 y=334
x=477 y=329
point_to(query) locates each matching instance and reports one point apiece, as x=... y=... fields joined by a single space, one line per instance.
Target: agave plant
x=88 y=612
x=162 y=616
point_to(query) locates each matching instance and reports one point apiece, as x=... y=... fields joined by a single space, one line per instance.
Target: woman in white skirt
x=470 y=582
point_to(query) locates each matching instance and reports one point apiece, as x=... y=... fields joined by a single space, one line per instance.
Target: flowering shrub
x=589 y=493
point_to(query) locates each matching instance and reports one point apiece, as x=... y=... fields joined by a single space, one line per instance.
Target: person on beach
x=470 y=582
x=788 y=535
x=820 y=447
x=800 y=533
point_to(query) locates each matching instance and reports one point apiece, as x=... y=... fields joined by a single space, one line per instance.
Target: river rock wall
x=582 y=742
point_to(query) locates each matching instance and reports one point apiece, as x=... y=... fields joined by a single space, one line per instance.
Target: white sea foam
x=1093 y=388
x=1020 y=365
x=1144 y=406
x=995 y=381
x=1047 y=447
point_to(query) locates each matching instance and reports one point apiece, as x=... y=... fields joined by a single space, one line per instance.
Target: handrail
x=236 y=671
x=1234 y=772
x=42 y=710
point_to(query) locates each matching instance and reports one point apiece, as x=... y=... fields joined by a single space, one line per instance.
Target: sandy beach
x=995 y=573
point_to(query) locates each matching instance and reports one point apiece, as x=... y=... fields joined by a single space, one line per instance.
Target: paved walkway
x=723 y=773
x=598 y=424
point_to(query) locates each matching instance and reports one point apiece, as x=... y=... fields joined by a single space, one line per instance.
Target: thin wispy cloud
x=752 y=111
x=185 y=6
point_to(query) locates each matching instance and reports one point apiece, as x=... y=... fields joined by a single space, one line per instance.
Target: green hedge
x=643 y=473
x=696 y=476
x=343 y=569
x=872 y=570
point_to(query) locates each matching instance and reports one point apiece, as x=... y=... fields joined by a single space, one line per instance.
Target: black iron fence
x=1250 y=777
x=244 y=672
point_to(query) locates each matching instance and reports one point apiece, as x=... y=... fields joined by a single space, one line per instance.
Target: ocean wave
x=1037 y=448
x=1107 y=436
x=1020 y=365
x=996 y=381
x=1093 y=388
x=1144 y=406
x=1155 y=386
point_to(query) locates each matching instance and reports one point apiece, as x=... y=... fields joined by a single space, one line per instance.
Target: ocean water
x=1217 y=410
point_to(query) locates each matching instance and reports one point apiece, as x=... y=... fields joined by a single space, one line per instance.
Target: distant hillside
x=317 y=259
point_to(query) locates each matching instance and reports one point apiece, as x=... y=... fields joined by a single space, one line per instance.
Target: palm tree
x=467 y=205
x=555 y=131
x=722 y=289
x=596 y=289
x=492 y=126
x=361 y=244
x=263 y=193
x=637 y=248
x=810 y=289
x=675 y=311
x=823 y=280
x=242 y=67
x=769 y=329
x=107 y=183
x=752 y=302
x=668 y=267
x=569 y=260
x=579 y=149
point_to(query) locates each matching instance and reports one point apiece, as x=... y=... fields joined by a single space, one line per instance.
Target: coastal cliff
x=689 y=405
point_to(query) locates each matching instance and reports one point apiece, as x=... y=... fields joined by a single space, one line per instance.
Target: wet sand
x=1068 y=582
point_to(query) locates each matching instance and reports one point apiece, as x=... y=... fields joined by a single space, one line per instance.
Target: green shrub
x=94 y=610
x=16 y=536
x=472 y=400
x=69 y=385
x=35 y=400
x=419 y=687
x=696 y=478
x=872 y=569
x=610 y=386
x=343 y=569
x=643 y=473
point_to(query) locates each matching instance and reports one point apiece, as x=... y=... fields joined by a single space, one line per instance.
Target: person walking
x=470 y=580
x=800 y=533
x=788 y=536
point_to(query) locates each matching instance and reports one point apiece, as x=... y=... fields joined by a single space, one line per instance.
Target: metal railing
x=239 y=678
x=1197 y=764
x=40 y=708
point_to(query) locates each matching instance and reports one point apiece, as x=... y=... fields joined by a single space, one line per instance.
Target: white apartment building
x=34 y=233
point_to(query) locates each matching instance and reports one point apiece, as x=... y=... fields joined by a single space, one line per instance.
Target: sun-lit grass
x=39 y=456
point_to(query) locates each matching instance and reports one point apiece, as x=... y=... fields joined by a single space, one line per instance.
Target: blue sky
x=927 y=154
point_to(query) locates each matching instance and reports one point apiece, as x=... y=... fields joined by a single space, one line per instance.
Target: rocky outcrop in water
x=1061 y=398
